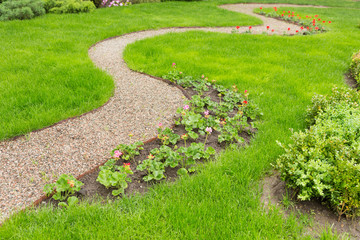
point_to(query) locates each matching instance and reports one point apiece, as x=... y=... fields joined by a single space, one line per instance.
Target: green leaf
x=182 y=172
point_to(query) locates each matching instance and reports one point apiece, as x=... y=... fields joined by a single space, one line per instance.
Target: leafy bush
x=323 y=162
x=355 y=67
x=68 y=6
x=21 y=9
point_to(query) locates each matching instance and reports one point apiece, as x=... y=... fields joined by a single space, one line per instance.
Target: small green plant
x=167 y=136
x=157 y=161
x=195 y=151
x=71 y=201
x=128 y=151
x=231 y=129
x=21 y=9
x=115 y=176
x=65 y=186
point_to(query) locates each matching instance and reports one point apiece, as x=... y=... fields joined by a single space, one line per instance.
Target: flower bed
x=309 y=24
x=214 y=117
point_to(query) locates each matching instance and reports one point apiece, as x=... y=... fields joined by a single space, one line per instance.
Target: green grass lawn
x=222 y=200
x=46 y=74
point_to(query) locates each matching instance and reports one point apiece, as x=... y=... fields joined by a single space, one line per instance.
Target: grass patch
x=46 y=74
x=222 y=200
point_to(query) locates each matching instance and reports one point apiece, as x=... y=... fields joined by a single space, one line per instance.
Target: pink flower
x=160 y=125
x=202 y=76
x=209 y=130
x=117 y=153
x=186 y=107
x=206 y=112
x=246 y=91
x=174 y=64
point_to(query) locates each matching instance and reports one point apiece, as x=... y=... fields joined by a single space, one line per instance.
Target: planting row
x=309 y=24
x=213 y=118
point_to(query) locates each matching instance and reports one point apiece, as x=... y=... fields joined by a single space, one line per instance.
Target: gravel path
x=79 y=144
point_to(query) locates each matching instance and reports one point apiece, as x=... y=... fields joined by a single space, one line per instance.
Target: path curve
x=79 y=144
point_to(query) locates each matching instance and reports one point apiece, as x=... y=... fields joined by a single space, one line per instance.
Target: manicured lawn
x=46 y=74
x=222 y=200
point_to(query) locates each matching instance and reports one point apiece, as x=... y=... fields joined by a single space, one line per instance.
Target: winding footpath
x=78 y=144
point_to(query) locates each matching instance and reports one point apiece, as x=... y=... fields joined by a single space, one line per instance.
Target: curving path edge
x=78 y=144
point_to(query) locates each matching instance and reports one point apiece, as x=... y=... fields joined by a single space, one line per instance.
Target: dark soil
x=274 y=190
x=93 y=189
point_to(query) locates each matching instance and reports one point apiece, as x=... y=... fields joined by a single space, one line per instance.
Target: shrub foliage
x=21 y=9
x=68 y=6
x=355 y=67
x=323 y=161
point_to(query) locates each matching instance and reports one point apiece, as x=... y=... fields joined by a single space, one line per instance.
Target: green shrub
x=355 y=67
x=68 y=6
x=21 y=9
x=97 y=3
x=323 y=161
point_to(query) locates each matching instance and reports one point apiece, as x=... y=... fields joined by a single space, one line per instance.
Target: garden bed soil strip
x=76 y=145
x=93 y=189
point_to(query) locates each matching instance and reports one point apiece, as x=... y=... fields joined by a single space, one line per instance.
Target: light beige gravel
x=77 y=145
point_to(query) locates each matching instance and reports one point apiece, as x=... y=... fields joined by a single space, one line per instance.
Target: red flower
x=313 y=24
x=316 y=15
x=297 y=31
x=267 y=27
x=272 y=30
x=316 y=28
x=275 y=8
x=293 y=15
x=288 y=29
x=324 y=21
x=319 y=19
x=282 y=15
x=292 y=12
x=237 y=27
x=289 y=12
x=260 y=8
x=302 y=28
x=288 y=15
x=284 y=12
x=250 y=27
x=299 y=18
x=307 y=27
x=329 y=21
x=245 y=102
